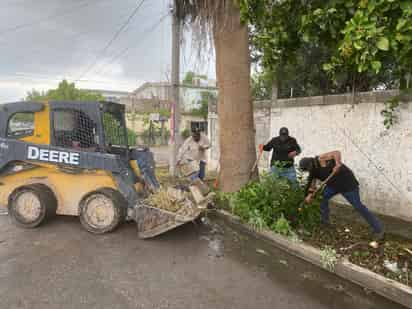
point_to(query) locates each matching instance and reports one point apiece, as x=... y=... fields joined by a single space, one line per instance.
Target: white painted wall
x=380 y=158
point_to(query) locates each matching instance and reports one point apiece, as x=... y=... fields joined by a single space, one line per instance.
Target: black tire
x=41 y=205
x=115 y=209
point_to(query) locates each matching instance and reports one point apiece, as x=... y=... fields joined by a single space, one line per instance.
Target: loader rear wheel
x=102 y=211
x=32 y=205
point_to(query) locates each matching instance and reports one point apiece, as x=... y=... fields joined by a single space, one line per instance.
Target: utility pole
x=175 y=104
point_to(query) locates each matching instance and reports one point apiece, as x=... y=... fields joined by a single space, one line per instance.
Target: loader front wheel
x=32 y=205
x=102 y=211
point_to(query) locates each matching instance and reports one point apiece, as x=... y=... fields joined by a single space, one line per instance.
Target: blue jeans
x=202 y=170
x=353 y=198
x=201 y=174
x=286 y=172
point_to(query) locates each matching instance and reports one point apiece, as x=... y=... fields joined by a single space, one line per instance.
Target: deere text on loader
x=73 y=158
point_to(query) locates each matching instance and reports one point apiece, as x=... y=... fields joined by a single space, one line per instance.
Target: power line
x=55 y=79
x=116 y=35
x=394 y=186
x=125 y=50
x=48 y=18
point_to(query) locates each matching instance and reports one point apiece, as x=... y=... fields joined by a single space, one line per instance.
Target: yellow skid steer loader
x=73 y=158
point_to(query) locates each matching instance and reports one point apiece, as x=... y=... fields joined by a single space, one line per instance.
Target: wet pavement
x=196 y=266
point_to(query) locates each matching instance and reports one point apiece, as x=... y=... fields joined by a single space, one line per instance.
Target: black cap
x=284 y=131
x=306 y=164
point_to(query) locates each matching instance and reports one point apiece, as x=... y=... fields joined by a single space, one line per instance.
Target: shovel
x=322 y=185
x=256 y=163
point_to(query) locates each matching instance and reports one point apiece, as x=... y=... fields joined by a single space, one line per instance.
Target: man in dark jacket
x=285 y=149
x=339 y=180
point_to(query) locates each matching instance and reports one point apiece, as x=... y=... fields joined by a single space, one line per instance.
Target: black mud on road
x=196 y=266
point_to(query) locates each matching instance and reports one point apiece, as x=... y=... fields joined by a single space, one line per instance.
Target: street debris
x=170 y=199
x=335 y=287
x=374 y=244
x=328 y=258
x=308 y=275
x=205 y=221
x=391 y=266
x=284 y=262
x=261 y=251
x=216 y=247
x=408 y=250
x=359 y=248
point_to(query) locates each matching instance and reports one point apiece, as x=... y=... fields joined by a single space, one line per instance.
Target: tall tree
x=221 y=18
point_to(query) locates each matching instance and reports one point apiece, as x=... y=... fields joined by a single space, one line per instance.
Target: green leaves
x=362 y=36
x=327 y=67
x=376 y=66
x=274 y=203
x=401 y=23
x=357 y=45
x=406 y=7
x=383 y=44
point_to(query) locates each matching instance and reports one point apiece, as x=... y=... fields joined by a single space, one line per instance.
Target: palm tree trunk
x=235 y=108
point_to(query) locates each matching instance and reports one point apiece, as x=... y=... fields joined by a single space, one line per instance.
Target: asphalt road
x=206 y=266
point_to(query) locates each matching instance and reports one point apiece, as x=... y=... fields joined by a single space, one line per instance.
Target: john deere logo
x=46 y=155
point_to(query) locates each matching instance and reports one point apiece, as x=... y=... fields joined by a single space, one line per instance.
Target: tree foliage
x=64 y=91
x=261 y=85
x=263 y=203
x=362 y=41
x=203 y=104
x=190 y=77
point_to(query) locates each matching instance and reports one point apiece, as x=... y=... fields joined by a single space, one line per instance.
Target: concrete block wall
x=380 y=158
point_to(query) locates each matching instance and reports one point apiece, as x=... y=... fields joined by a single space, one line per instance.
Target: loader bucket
x=152 y=221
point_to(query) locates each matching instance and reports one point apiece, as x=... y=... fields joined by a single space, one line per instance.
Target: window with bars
x=74 y=129
x=198 y=126
x=114 y=130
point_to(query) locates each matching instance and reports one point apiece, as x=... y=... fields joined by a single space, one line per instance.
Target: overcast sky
x=44 y=41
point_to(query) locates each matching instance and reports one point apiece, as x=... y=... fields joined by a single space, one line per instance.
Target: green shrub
x=272 y=202
x=282 y=226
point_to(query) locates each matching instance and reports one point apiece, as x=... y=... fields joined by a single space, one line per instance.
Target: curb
x=393 y=290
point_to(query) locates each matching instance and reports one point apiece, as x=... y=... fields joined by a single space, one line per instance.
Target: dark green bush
x=262 y=203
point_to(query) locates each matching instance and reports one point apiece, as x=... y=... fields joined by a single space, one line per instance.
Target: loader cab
x=89 y=126
x=85 y=126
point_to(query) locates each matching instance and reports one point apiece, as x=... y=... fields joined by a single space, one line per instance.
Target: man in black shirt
x=285 y=149
x=339 y=180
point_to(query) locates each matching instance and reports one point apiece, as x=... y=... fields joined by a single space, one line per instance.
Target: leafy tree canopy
x=354 y=40
x=203 y=104
x=191 y=76
x=64 y=91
